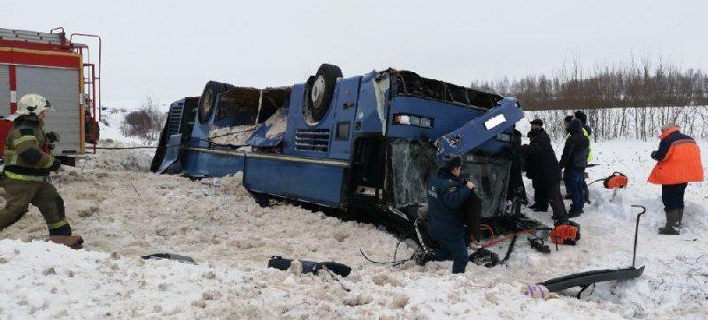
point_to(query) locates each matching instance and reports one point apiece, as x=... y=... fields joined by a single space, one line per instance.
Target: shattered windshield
x=413 y=164
x=490 y=175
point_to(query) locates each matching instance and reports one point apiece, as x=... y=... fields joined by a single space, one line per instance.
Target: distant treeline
x=631 y=100
x=627 y=86
x=638 y=123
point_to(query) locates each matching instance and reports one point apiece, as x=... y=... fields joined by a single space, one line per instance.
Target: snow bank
x=109 y=128
x=123 y=213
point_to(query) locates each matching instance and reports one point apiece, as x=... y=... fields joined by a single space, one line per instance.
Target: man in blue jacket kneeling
x=446 y=194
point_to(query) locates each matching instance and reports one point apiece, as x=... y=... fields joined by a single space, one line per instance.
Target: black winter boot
x=574 y=213
x=680 y=217
x=672 y=223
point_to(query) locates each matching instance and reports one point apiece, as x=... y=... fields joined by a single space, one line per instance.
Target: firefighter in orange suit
x=28 y=162
x=678 y=163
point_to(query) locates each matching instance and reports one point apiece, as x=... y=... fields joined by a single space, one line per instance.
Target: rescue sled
x=585 y=279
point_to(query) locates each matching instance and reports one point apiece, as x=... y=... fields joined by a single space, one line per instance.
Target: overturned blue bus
x=366 y=143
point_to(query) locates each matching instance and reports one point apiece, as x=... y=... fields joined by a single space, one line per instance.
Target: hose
x=495 y=241
x=129 y=148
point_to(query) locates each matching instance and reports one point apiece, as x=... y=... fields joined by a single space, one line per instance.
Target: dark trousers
x=574 y=181
x=540 y=193
x=555 y=199
x=453 y=240
x=20 y=194
x=452 y=246
x=585 y=189
x=672 y=195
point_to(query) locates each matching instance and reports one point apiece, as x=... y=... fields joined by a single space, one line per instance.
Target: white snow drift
x=124 y=212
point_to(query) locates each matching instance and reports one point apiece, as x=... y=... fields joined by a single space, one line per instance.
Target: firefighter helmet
x=32 y=104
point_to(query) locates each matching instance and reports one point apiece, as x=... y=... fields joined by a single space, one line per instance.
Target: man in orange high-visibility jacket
x=678 y=163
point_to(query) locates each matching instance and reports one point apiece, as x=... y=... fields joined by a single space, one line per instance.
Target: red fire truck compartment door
x=60 y=87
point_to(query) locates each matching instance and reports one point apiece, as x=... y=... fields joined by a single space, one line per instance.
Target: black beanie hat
x=450 y=162
x=581 y=116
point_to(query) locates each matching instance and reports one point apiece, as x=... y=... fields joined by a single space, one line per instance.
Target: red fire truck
x=52 y=65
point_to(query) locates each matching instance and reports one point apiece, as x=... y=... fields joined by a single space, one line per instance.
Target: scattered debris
x=280 y=263
x=169 y=256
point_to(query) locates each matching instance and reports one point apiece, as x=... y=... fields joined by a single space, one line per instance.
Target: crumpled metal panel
x=270 y=133
x=480 y=130
x=172 y=154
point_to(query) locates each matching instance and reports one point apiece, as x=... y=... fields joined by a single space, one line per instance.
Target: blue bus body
x=374 y=149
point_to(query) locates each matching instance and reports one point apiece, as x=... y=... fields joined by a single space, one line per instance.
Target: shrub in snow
x=145 y=122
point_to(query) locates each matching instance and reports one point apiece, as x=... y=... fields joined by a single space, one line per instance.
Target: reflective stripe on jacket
x=587 y=135
x=24 y=177
x=24 y=150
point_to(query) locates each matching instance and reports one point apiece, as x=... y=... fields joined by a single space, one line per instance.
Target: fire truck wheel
x=208 y=99
x=321 y=89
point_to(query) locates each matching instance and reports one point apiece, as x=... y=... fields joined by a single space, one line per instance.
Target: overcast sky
x=169 y=49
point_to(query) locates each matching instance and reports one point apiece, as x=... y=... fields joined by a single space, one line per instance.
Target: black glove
x=55 y=165
x=52 y=137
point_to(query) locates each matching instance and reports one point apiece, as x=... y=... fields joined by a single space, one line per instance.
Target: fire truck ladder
x=92 y=83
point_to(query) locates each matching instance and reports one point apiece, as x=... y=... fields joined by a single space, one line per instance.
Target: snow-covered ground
x=123 y=212
x=112 y=120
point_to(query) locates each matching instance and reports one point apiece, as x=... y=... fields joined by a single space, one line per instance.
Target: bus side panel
x=309 y=182
x=208 y=164
x=446 y=117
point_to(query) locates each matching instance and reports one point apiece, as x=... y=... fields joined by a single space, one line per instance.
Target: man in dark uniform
x=447 y=193
x=587 y=131
x=546 y=171
x=516 y=187
x=533 y=167
x=28 y=162
x=574 y=160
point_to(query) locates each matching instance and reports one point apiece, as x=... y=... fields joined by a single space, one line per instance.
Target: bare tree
x=630 y=99
x=145 y=122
